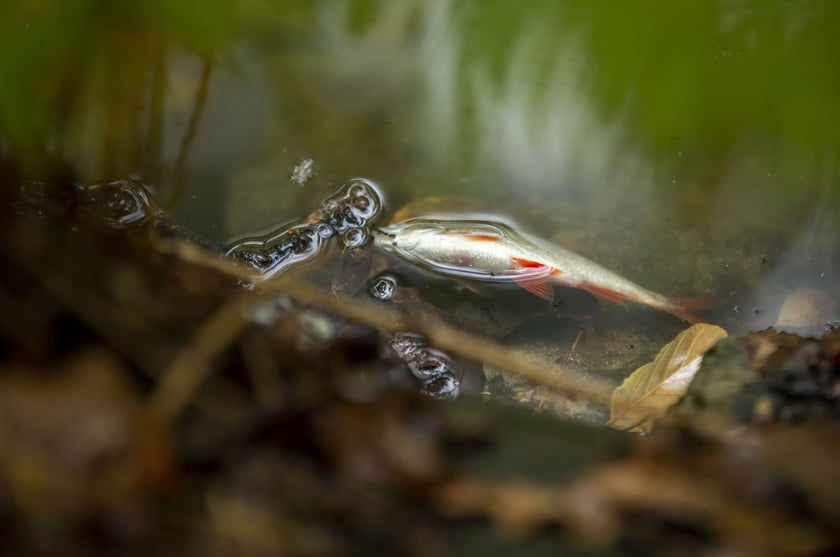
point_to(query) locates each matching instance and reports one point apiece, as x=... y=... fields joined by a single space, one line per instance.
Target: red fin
x=680 y=307
x=530 y=264
x=690 y=303
x=605 y=293
x=481 y=237
x=537 y=282
x=537 y=286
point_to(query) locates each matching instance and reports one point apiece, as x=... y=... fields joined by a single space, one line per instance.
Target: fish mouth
x=384 y=237
x=382 y=232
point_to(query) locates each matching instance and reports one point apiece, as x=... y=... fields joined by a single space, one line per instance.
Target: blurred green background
x=469 y=95
x=709 y=123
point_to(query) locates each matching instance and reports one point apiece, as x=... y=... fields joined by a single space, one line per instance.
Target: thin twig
x=193 y=364
x=190 y=368
x=444 y=337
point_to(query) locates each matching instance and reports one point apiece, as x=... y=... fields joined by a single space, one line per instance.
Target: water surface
x=689 y=147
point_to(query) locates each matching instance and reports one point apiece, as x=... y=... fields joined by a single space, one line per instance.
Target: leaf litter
x=131 y=422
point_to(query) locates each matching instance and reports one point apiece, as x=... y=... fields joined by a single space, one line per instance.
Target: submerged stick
x=182 y=379
x=191 y=367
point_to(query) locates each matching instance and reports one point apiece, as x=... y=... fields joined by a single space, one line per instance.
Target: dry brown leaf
x=653 y=388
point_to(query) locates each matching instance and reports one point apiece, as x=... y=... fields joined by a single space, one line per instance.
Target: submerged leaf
x=653 y=388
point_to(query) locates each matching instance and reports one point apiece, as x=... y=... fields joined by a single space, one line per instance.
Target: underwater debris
x=427 y=364
x=304 y=170
x=769 y=377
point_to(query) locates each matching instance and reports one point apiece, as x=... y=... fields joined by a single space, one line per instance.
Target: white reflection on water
x=530 y=126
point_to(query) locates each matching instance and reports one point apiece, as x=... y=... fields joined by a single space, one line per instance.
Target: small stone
x=806 y=308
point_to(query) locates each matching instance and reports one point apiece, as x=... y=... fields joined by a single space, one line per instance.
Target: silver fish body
x=495 y=252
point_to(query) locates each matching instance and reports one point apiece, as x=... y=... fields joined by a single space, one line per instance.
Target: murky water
x=690 y=148
x=671 y=154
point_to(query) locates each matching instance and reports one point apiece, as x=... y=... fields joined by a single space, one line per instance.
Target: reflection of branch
x=154 y=136
x=180 y=382
x=181 y=171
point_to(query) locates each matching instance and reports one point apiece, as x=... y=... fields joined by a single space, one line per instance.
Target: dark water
x=692 y=147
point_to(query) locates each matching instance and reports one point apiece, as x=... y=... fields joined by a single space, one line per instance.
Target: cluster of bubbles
x=121 y=203
x=432 y=367
x=345 y=215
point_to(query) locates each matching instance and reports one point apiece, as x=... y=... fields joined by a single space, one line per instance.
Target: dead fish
x=493 y=251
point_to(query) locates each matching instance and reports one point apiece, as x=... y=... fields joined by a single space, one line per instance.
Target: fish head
x=409 y=236
x=470 y=248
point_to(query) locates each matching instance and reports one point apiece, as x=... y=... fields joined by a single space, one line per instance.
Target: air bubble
x=354 y=238
x=324 y=230
x=294 y=245
x=405 y=345
x=362 y=208
x=122 y=203
x=427 y=363
x=363 y=199
x=346 y=213
x=442 y=387
x=383 y=287
x=356 y=189
x=345 y=220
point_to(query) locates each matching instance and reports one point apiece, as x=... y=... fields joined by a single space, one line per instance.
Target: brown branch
x=192 y=366
x=189 y=369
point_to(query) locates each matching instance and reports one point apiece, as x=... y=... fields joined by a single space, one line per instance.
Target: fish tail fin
x=684 y=307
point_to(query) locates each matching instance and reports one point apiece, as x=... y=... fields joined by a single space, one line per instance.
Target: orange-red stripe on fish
x=529 y=264
x=606 y=293
x=481 y=237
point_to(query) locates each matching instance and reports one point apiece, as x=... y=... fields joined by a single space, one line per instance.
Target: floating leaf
x=653 y=388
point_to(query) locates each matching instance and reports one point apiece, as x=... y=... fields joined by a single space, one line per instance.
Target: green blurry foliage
x=711 y=71
x=63 y=61
x=712 y=75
